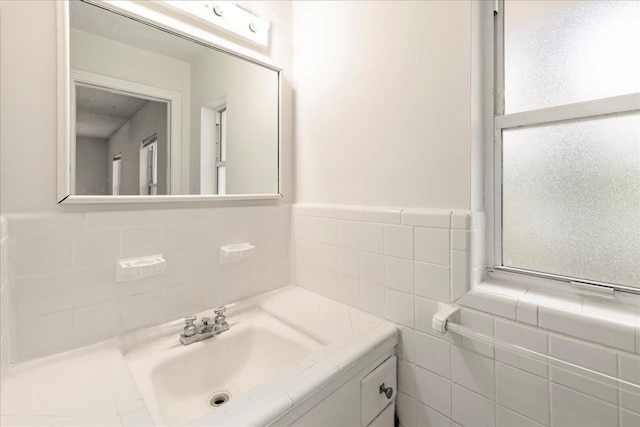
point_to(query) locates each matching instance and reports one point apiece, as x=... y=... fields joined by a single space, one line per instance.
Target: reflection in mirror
x=108 y=126
x=155 y=113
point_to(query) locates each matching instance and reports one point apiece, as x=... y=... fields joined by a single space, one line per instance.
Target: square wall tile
x=398 y=274
x=398 y=241
x=96 y=248
x=372 y=298
x=92 y=323
x=507 y=418
x=371 y=237
x=141 y=310
x=522 y=392
x=407 y=378
x=478 y=322
x=571 y=408
x=434 y=391
x=207 y=294
x=44 y=335
x=348 y=263
x=179 y=270
x=42 y=294
x=399 y=307
x=432 y=245
x=234 y=231
x=235 y=282
x=372 y=268
x=473 y=371
x=205 y=236
x=589 y=356
x=426 y=416
x=348 y=234
x=327 y=257
x=406 y=410
x=629 y=370
x=629 y=419
x=433 y=354
x=178 y=301
x=432 y=281
x=471 y=409
x=584 y=354
x=176 y=239
x=348 y=290
x=327 y=231
x=141 y=241
x=41 y=253
x=529 y=338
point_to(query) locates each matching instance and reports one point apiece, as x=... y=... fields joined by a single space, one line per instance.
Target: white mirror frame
x=65 y=112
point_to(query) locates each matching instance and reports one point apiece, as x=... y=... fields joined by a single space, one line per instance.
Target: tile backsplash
x=401 y=263
x=63 y=269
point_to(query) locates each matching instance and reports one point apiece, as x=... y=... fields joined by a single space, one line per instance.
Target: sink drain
x=219 y=399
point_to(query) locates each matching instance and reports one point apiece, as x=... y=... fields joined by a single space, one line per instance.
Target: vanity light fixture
x=228 y=16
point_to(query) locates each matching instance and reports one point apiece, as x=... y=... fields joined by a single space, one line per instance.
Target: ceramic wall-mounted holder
x=139 y=268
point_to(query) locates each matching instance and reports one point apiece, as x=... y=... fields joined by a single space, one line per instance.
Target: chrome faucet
x=192 y=333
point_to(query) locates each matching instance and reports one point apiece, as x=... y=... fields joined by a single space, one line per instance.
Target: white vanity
x=290 y=357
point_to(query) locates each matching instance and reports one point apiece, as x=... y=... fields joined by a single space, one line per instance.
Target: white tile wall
x=62 y=276
x=446 y=380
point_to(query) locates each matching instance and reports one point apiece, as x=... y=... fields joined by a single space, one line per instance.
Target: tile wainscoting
x=63 y=269
x=401 y=263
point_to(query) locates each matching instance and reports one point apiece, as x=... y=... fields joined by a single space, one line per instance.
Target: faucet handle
x=223 y=308
x=205 y=321
x=189 y=328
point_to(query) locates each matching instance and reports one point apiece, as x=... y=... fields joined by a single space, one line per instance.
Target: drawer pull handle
x=388 y=391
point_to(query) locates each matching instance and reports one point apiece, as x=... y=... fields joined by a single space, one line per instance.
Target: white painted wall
x=250 y=93
x=7 y=322
x=382 y=103
x=127 y=141
x=92 y=166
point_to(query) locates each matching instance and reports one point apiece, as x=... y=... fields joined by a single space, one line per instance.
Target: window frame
x=500 y=121
x=116 y=164
x=149 y=151
x=221 y=150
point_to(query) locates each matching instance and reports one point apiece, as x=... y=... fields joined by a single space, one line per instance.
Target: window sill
x=611 y=323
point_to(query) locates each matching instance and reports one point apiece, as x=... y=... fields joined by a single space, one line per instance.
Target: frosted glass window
x=561 y=52
x=571 y=199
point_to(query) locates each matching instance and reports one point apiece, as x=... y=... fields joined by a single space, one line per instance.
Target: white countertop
x=92 y=386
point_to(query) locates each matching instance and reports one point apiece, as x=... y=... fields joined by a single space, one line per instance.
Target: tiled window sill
x=609 y=323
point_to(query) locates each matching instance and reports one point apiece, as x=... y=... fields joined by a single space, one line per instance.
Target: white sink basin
x=178 y=382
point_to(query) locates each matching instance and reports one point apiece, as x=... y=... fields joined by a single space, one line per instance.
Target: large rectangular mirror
x=154 y=113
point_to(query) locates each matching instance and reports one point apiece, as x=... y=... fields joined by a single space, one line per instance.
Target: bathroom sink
x=181 y=383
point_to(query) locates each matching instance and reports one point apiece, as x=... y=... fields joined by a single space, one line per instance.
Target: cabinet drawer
x=374 y=400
